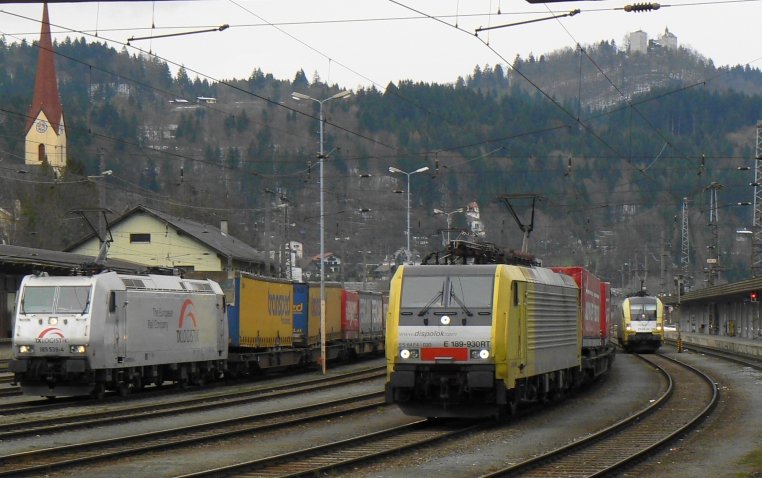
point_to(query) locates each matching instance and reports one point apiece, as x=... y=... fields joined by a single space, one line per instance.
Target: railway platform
x=735 y=345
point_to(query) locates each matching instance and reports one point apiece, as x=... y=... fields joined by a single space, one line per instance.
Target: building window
x=140 y=238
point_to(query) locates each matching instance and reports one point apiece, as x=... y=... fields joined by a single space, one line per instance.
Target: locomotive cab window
x=73 y=300
x=56 y=300
x=643 y=311
x=454 y=295
x=38 y=300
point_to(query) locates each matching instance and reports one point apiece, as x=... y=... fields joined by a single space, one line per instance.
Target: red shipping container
x=605 y=311
x=590 y=303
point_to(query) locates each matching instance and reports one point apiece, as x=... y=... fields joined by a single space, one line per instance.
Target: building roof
x=212 y=237
x=27 y=260
x=716 y=293
x=45 y=98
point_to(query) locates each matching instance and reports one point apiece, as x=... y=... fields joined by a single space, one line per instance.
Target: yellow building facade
x=45 y=144
x=156 y=239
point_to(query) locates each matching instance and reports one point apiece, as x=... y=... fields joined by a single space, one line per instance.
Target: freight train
x=641 y=325
x=476 y=340
x=88 y=334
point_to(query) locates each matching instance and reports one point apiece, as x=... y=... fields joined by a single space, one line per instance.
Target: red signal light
x=753 y=296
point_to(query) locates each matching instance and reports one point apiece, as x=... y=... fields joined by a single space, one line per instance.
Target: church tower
x=45 y=130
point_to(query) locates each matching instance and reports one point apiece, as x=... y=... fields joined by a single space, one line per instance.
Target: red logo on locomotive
x=190 y=334
x=51 y=335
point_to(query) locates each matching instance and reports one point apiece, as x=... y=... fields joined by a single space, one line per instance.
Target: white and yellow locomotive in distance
x=475 y=340
x=641 y=325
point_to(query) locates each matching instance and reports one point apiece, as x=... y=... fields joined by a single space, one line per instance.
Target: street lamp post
x=300 y=96
x=448 y=214
x=392 y=169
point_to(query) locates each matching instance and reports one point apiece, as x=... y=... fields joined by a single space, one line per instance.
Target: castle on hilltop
x=638 y=42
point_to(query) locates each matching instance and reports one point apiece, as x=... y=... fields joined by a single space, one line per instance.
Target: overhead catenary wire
x=216 y=165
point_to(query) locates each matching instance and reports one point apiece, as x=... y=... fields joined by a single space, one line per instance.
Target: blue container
x=231 y=287
x=301 y=304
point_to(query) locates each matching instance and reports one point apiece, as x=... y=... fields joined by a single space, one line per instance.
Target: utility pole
x=684 y=240
x=714 y=262
x=663 y=265
x=756 y=226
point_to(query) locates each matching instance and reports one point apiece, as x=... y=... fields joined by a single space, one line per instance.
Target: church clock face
x=42 y=126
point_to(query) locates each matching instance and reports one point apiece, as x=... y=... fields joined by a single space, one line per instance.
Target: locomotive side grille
x=133 y=283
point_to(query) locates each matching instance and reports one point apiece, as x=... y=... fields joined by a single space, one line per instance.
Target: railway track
x=690 y=396
x=54 y=459
x=34 y=406
x=332 y=456
x=30 y=426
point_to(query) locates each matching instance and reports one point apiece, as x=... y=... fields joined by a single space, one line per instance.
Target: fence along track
x=691 y=396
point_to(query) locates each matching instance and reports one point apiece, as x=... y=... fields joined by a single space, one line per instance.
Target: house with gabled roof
x=158 y=239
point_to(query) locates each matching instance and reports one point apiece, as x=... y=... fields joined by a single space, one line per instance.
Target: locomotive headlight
x=77 y=349
x=26 y=349
x=479 y=354
x=409 y=354
x=405 y=354
x=52 y=320
x=445 y=320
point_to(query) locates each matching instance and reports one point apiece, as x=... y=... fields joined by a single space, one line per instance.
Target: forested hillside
x=610 y=143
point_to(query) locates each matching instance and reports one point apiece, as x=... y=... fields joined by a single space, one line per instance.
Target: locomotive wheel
x=99 y=391
x=123 y=389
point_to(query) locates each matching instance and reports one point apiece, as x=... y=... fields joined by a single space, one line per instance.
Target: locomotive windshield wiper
x=431 y=302
x=454 y=296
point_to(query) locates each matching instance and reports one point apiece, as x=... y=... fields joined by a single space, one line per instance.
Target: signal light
x=753 y=296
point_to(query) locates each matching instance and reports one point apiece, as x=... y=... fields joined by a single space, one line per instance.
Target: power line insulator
x=642 y=7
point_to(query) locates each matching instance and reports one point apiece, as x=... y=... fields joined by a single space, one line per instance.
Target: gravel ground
x=616 y=397
x=718 y=447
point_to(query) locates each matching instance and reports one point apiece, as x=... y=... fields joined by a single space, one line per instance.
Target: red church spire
x=46 y=98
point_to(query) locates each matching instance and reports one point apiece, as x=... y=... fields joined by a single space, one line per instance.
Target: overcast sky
x=359 y=43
